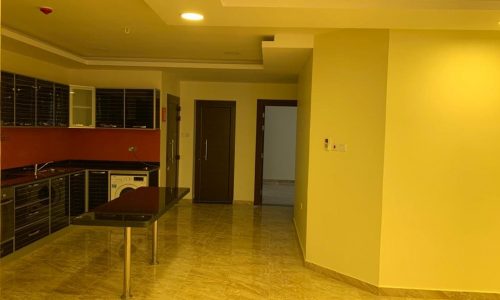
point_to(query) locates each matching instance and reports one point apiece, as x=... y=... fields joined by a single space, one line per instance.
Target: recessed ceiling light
x=190 y=16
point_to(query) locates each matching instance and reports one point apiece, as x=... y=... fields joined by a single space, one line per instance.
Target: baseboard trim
x=344 y=278
x=396 y=292
x=430 y=294
x=301 y=246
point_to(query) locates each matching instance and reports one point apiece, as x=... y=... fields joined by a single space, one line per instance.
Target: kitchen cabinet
x=109 y=108
x=77 y=194
x=7 y=222
x=127 y=108
x=61 y=105
x=59 y=203
x=7 y=99
x=82 y=106
x=32 y=210
x=28 y=102
x=140 y=107
x=44 y=103
x=25 y=93
x=98 y=188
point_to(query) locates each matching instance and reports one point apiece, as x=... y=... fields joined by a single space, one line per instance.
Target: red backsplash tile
x=26 y=146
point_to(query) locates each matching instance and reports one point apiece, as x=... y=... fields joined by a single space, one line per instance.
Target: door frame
x=177 y=101
x=197 y=145
x=259 y=143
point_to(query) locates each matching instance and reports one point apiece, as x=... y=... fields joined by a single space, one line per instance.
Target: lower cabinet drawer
x=6 y=248
x=32 y=213
x=31 y=233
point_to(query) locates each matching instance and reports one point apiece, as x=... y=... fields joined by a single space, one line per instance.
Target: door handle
x=172 y=153
x=206 y=149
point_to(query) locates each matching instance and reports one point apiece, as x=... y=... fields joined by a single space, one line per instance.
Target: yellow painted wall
x=29 y=66
x=441 y=207
x=345 y=189
x=302 y=153
x=245 y=95
x=118 y=78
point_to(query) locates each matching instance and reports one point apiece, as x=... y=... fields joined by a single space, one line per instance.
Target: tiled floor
x=278 y=193
x=205 y=252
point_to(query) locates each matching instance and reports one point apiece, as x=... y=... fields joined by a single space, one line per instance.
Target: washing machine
x=123 y=183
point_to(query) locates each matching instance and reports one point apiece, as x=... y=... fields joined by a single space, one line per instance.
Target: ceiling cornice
x=132 y=62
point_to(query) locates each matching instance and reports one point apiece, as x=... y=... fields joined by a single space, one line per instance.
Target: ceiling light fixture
x=190 y=16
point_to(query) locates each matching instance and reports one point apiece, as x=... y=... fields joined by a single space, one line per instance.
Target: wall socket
x=132 y=149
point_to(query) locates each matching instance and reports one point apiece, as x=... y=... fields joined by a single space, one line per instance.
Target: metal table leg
x=126 y=263
x=154 y=259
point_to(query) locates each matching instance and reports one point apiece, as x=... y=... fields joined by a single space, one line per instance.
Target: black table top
x=138 y=208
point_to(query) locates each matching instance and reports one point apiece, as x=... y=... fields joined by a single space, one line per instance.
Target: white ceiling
x=228 y=44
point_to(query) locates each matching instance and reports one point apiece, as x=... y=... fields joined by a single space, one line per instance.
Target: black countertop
x=138 y=208
x=26 y=175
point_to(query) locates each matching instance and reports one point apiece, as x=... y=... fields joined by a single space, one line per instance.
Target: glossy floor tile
x=205 y=252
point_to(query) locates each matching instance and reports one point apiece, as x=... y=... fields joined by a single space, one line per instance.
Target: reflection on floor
x=205 y=252
x=278 y=192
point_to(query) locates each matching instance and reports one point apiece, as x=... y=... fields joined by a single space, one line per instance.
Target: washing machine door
x=123 y=189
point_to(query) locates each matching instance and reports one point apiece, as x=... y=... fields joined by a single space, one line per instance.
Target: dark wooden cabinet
x=61 y=105
x=7 y=99
x=59 y=203
x=32 y=210
x=25 y=93
x=44 y=103
x=139 y=108
x=109 y=108
x=127 y=108
x=77 y=194
x=28 y=102
x=98 y=189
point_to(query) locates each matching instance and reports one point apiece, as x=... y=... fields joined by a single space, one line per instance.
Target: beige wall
x=441 y=225
x=245 y=95
x=345 y=188
x=302 y=152
x=29 y=66
x=116 y=78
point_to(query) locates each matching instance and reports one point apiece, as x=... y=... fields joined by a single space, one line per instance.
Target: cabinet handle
x=173 y=142
x=76 y=175
x=206 y=149
x=101 y=172
x=33 y=213
x=35 y=185
x=34 y=233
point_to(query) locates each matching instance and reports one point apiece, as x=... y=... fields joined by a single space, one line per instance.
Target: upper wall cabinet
x=127 y=108
x=109 y=108
x=82 y=103
x=7 y=99
x=25 y=96
x=27 y=101
x=44 y=103
x=61 y=105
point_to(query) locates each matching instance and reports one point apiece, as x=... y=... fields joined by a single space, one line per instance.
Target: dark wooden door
x=173 y=119
x=214 y=166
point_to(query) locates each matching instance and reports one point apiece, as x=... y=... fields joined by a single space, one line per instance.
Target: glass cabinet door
x=82 y=104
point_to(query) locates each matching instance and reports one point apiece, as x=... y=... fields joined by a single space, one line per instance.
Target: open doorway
x=275 y=152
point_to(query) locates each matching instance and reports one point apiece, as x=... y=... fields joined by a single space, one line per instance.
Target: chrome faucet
x=43 y=166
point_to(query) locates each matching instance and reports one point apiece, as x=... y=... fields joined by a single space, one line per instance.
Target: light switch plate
x=340 y=147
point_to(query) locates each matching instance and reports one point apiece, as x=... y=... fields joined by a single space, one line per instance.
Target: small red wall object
x=46 y=10
x=164 y=114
